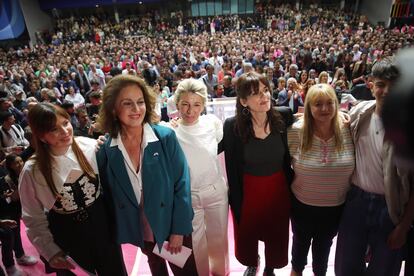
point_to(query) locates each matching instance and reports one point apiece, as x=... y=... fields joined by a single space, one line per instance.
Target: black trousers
x=88 y=242
x=158 y=265
x=317 y=226
x=13 y=211
x=7 y=243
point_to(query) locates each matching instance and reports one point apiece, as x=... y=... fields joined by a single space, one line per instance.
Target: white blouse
x=36 y=197
x=199 y=143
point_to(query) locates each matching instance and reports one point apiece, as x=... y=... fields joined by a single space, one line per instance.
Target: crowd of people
x=162 y=181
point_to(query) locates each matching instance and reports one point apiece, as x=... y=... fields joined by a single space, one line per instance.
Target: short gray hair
x=191 y=85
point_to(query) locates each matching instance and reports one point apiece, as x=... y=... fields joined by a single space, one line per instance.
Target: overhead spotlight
x=140 y=2
x=97 y=5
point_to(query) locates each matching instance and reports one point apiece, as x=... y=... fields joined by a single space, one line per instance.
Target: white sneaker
x=26 y=260
x=14 y=271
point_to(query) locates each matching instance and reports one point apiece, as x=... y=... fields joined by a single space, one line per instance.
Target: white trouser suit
x=208 y=195
x=210 y=242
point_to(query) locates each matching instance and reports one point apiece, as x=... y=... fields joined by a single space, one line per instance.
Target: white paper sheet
x=177 y=259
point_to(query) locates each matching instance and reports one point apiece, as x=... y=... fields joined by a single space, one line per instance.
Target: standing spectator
x=210 y=80
x=10 y=207
x=149 y=74
x=82 y=80
x=96 y=74
x=6 y=238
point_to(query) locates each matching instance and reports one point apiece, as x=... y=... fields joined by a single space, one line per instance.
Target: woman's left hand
x=99 y=142
x=174 y=246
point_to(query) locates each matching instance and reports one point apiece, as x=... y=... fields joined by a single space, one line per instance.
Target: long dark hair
x=42 y=119
x=248 y=84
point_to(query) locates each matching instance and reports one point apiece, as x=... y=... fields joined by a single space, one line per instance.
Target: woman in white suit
x=199 y=137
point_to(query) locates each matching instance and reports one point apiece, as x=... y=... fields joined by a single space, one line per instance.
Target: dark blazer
x=234 y=151
x=362 y=92
x=166 y=186
x=86 y=84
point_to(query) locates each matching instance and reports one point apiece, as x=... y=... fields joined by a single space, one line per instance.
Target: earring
x=245 y=111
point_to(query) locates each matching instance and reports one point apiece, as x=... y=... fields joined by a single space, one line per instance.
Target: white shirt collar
x=69 y=154
x=147 y=137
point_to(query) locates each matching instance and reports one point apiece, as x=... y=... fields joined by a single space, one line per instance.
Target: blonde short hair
x=193 y=86
x=315 y=92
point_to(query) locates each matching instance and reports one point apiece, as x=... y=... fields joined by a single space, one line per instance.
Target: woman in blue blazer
x=144 y=174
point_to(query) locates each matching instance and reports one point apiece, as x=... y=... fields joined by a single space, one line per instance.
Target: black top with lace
x=77 y=195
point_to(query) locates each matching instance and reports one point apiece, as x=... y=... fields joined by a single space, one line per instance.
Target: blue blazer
x=166 y=190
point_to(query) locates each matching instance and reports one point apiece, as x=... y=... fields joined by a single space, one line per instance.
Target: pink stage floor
x=136 y=263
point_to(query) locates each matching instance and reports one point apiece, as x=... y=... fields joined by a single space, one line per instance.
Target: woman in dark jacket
x=258 y=171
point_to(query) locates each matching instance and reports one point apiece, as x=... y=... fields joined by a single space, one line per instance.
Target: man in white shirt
x=357 y=53
x=97 y=74
x=379 y=208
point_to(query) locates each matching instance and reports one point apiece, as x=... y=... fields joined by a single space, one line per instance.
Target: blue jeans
x=365 y=222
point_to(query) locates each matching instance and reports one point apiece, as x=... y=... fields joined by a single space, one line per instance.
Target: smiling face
x=130 y=107
x=60 y=136
x=379 y=89
x=323 y=108
x=190 y=107
x=258 y=101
